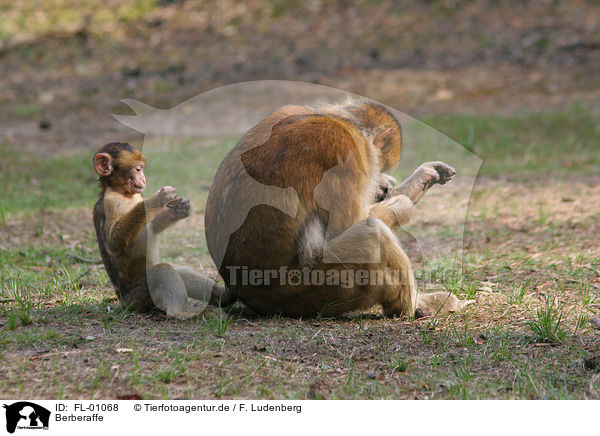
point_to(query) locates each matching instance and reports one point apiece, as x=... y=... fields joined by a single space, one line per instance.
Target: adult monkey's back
x=305 y=190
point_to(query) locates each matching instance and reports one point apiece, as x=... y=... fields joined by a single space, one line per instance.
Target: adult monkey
x=338 y=219
x=127 y=227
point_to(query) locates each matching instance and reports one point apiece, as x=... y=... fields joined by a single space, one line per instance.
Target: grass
x=547 y=323
x=33 y=182
x=399 y=364
x=220 y=322
x=587 y=296
x=526 y=144
x=529 y=261
x=518 y=292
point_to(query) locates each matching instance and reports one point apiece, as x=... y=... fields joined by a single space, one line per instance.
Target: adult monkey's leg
x=427 y=175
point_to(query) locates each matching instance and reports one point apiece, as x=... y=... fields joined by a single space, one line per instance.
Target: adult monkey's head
x=121 y=168
x=387 y=131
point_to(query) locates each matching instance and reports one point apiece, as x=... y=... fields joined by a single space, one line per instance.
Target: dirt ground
x=485 y=352
x=530 y=240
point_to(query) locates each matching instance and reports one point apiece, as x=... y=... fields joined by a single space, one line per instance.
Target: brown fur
x=126 y=227
x=331 y=156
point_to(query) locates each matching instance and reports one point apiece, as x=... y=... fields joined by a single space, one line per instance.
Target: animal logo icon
x=27 y=415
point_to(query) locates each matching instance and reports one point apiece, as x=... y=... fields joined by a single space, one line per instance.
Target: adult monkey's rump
x=305 y=191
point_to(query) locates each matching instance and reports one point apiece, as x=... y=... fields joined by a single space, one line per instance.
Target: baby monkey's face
x=136 y=179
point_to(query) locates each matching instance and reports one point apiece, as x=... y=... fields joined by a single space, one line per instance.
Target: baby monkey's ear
x=103 y=164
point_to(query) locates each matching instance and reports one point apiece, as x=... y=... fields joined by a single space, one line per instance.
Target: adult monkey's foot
x=423 y=178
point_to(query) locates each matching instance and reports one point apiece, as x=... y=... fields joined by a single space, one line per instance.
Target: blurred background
x=65 y=64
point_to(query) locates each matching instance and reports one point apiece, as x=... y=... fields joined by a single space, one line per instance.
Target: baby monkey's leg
x=168 y=292
x=202 y=288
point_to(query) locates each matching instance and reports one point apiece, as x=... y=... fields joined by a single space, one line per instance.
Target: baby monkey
x=127 y=227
